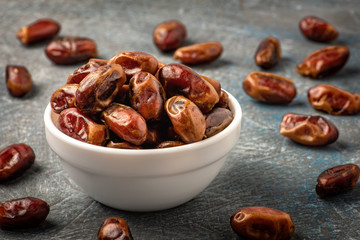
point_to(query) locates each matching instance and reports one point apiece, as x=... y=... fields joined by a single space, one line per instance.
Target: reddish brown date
x=147 y=96
x=64 y=97
x=18 y=80
x=337 y=179
x=317 y=29
x=99 y=88
x=269 y=88
x=199 y=53
x=77 y=125
x=217 y=120
x=169 y=35
x=179 y=79
x=308 y=130
x=187 y=119
x=333 y=100
x=71 y=50
x=324 y=62
x=215 y=83
x=23 y=213
x=133 y=62
x=223 y=100
x=79 y=74
x=114 y=228
x=14 y=160
x=262 y=223
x=268 y=53
x=126 y=123
x=38 y=31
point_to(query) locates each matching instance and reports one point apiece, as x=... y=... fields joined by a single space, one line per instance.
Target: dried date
x=317 y=29
x=79 y=74
x=64 y=97
x=18 y=80
x=38 y=31
x=217 y=120
x=114 y=228
x=268 y=53
x=169 y=35
x=199 y=53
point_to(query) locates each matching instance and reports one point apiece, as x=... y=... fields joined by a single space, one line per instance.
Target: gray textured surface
x=263 y=169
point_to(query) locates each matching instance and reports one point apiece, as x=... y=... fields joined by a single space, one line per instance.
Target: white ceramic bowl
x=147 y=179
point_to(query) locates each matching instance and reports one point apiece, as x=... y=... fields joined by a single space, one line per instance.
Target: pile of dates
x=133 y=101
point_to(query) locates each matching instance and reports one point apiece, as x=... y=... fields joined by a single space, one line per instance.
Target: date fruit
x=269 y=88
x=169 y=35
x=79 y=74
x=77 y=125
x=38 y=31
x=23 y=213
x=168 y=144
x=126 y=123
x=337 y=179
x=199 y=53
x=114 y=228
x=317 y=29
x=217 y=120
x=64 y=97
x=71 y=50
x=308 y=130
x=268 y=53
x=333 y=100
x=262 y=223
x=14 y=160
x=18 y=80
x=215 y=83
x=187 y=119
x=324 y=62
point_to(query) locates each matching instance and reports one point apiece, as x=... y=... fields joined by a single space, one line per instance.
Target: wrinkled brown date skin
x=18 y=80
x=308 y=130
x=269 y=88
x=333 y=100
x=23 y=213
x=79 y=74
x=215 y=83
x=71 y=50
x=337 y=179
x=147 y=96
x=262 y=223
x=217 y=120
x=126 y=123
x=223 y=100
x=168 y=144
x=324 y=62
x=169 y=35
x=187 y=119
x=317 y=29
x=14 y=160
x=38 y=31
x=199 y=53
x=268 y=53
x=133 y=62
x=99 y=88
x=77 y=125
x=64 y=97
x=179 y=79
x=114 y=228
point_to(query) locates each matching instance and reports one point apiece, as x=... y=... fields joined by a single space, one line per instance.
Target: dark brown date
x=14 y=160
x=133 y=62
x=187 y=119
x=123 y=95
x=18 y=80
x=23 y=213
x=99 y=88
x=126 y=123
x=38 y=31
x=179 y=79
x=317 y=29
x=77 y=125
x=217 y=120
x=64 y=97
x=262 y=223
x=223 y=100
x=337 y=179
x=169 y=35
x=168 y=144
x=333 y=100
x=71 y=50
x=268 y=53
x=79 y=74
x=269 y=88
x=122 y=145
x=114 y=228
x=308 y=130
x=199 y=53
x=147 y=96
x=324 y=62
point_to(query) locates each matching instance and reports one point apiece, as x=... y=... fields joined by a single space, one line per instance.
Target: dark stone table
x=264 y=169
